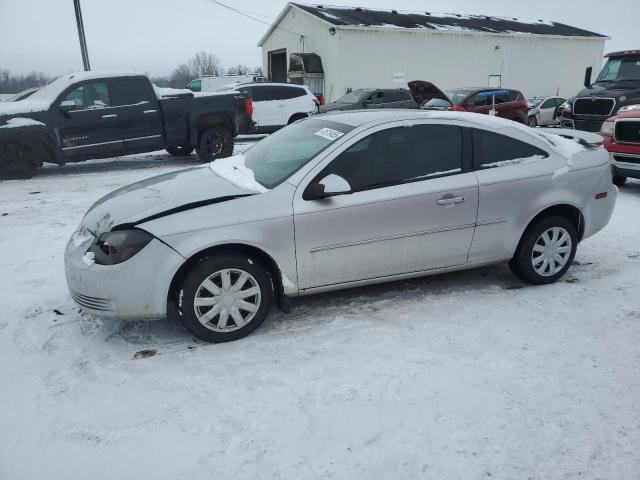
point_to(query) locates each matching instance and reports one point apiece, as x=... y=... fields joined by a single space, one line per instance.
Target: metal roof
x=367 y=17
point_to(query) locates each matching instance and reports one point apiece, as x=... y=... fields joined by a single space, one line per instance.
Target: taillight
x=456 y=108
x=248 y=106
x=601 y=195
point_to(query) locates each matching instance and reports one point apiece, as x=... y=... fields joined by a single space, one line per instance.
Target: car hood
x=159 y=196
x=427 y=89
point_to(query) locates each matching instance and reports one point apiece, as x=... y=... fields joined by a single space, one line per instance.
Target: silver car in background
x=336 y=201
x=542 y=111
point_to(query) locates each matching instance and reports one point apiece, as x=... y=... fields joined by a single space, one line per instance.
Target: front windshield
x=354 y=97
x=457 y=96
x=279 y=155
x=619 y=69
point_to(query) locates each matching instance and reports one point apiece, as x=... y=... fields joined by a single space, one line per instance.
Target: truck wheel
x=214 y=143
x=180 y=150
x=619 y=181
x=533 y=123
x=18 y=161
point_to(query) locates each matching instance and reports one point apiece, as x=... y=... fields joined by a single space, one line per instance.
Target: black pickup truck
x=89 y=115
x=616 y=90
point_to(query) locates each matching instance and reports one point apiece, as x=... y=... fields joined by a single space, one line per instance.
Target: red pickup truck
x=622 y=140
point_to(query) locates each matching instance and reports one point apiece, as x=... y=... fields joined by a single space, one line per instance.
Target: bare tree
x=182 y=75
x=204 y=63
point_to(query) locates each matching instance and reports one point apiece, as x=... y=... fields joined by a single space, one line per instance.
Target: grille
x=94 y=303
x=625 y=159
x=628 y=131
x=593 y=106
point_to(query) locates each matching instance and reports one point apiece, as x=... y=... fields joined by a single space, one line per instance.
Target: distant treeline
x=202 y=63
x=12 y=83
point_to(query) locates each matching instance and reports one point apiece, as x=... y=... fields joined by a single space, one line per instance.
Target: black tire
x=214 y=143
x=208 y=269
x=619 y=180
x=296 y=117
x=19 y=161
x=522 y=262
x=180 y=150
x=532 y=121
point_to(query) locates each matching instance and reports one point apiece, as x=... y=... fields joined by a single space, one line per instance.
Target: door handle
x=111 y=115
x=147 y=112
x=450 y=200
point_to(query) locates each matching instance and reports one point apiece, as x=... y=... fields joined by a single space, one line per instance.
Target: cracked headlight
x=118 y=246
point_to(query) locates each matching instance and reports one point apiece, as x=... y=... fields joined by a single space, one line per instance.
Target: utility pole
x=83 y=41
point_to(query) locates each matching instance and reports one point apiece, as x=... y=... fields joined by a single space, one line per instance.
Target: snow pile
x=162 y=92
x=27 y=105
x=234 y=170
x=89 y=258
x=21 y=122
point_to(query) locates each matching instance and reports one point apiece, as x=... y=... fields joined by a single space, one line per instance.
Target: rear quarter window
x=495 y=150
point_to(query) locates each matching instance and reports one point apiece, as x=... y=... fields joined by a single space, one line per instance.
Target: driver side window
x=89 y=96
x=377 y=98
x=399 y=155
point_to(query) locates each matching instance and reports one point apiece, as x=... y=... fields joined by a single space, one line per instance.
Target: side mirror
x=329 y=186
x=66 y=106
x=587 y=77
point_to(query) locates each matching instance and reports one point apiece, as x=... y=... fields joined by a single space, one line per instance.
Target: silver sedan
x=337 y=201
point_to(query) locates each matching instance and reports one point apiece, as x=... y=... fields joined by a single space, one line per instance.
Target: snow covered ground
x=468 y=375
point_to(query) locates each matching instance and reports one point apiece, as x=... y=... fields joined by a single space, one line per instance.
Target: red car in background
x=507 y=103
x=622 y=140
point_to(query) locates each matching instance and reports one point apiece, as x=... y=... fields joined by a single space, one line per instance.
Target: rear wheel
x=20 y=160
x=619 y=180
x=180 y=150
x=532 y=122
x=214 y=143
x=546 y=251
x=225 y=298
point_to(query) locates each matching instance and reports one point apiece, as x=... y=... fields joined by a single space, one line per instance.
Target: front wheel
x=619 y=180
x=225 y=298
x=214 y=143
x=180 y=150
x=532 y=122
x=546 y=251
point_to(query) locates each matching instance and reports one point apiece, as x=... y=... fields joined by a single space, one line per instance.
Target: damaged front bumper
x=135 y=289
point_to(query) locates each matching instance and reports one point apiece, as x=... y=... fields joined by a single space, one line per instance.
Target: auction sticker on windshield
x=329 y=133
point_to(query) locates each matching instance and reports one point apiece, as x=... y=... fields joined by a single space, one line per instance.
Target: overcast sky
x=154 y=36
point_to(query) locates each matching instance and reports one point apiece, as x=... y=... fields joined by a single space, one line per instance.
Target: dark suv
x=510 y=104
x=372 y=98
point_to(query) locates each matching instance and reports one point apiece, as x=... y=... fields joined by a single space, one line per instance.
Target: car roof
x=357 y=118
x=481 y=89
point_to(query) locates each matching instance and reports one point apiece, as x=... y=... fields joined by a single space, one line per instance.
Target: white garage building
x=334 y=49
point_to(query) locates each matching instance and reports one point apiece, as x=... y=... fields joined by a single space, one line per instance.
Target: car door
x=412 y=207
x=138 y=113
x=547 y=108
x=87 y=122
x=506 y=191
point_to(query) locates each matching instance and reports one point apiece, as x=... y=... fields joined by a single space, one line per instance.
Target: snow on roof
x=44 y=97
x=367 y=17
